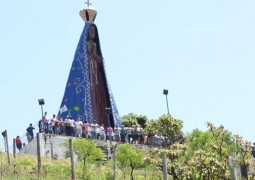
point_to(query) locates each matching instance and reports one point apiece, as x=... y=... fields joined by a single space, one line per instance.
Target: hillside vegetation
x=212 y=154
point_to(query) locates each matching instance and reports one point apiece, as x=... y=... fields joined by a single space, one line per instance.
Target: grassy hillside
x=24 y=167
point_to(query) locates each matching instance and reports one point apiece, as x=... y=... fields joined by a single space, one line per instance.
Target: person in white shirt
x=89 y=132
x=94 y=126
x=102 y=132
x=72 y=125
x=45 y=123
x=97 y=132
x=116 y=133
x=67 y=126
x=52 y=124
x=78 y=126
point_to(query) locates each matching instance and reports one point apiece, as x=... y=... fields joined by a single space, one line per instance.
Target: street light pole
x=42 y=110
x=165 y=92
x=41 y=103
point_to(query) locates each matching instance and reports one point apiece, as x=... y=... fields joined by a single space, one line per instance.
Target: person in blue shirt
x=123 y=134
x=30 y=130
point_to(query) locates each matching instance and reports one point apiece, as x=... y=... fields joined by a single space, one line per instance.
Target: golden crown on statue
x=88 y=14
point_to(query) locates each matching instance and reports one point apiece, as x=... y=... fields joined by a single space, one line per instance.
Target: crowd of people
x=70 y=127
x=133 y=134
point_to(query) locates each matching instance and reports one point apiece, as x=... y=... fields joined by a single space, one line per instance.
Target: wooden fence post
x=14 y=148
x=51 y=150
x=39 y=160
x=7 y=147
x=72 y=159
x=232 y=164
x=164 y=166
x=114 y=162
x=108 y=149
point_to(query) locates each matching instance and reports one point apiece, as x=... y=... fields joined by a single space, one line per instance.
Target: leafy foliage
x=166 y=126
x=128 y=157
x=142 y=121
x=86 y=150
x=204 y=155
x=244 y=150
x=205 y=166
x=134 y=119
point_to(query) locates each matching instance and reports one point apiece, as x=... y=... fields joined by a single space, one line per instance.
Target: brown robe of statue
x=97 y=81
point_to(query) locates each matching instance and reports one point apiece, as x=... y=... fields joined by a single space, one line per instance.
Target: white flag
x=63 y=109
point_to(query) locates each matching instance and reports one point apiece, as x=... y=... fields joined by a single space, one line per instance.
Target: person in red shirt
x=18 y=143
x=85 y=130
x=57 y=126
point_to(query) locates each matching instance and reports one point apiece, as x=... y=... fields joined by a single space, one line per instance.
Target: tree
x=151 y=128
x=197 y=140
x=204 y=165
x=244 y=152
x=142 y=120
x=128 y=157
x=175 y=168
x=170 y=127
x=204 y=155
x=129 y=119
x=166 y=126
x=210 y=151
x=86 y=151
x=134 y=119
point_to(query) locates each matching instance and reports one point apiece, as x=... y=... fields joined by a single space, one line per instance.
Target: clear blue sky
x=201 y=51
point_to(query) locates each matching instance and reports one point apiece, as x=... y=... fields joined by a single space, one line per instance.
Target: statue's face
x=92 y=32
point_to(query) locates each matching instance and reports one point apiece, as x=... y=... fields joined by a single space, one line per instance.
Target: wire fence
x=50 y=169
x=24 y=166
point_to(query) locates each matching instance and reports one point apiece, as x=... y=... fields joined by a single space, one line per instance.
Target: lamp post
x=165 y=92
x=41 y=103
